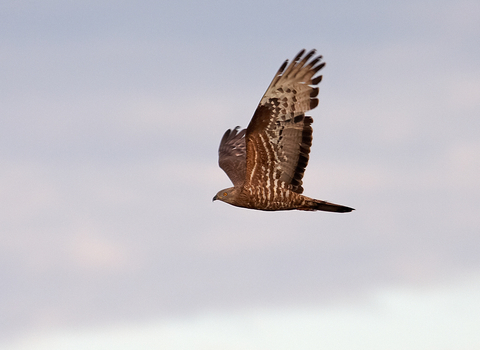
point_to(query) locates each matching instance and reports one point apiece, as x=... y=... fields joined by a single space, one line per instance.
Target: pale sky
x=111 y=116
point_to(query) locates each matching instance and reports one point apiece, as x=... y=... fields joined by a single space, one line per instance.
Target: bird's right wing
x=232 y=154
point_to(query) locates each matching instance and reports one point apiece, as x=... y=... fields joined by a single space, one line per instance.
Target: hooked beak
x=214 y=198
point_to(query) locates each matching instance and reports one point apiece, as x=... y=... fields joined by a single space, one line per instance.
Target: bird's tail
x=315 y=204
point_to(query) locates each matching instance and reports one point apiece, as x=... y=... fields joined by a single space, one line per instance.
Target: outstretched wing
x=279 y=135
x=232 y=154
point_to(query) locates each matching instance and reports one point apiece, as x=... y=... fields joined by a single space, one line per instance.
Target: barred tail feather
x=315 y=204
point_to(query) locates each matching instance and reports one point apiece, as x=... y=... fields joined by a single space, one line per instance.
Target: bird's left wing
x=279 y=135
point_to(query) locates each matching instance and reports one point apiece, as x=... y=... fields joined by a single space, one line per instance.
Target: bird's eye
x=225 y=193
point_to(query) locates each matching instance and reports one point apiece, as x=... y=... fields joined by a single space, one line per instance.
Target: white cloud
x=417 y=318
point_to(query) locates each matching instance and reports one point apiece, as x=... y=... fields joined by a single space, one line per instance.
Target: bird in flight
x=267 y=160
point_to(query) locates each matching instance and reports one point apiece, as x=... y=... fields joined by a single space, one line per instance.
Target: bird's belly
x=262 y=198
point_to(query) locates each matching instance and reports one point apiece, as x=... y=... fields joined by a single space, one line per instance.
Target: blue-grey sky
x=111 y=115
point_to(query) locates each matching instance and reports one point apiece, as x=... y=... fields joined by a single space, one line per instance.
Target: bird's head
x=227 y=195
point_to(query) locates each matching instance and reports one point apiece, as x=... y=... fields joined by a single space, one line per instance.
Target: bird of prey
x=267 y=160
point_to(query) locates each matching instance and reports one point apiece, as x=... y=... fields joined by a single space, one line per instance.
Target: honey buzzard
x=266 y=161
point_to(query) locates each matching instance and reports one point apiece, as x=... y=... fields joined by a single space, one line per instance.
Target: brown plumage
x=266 y=161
